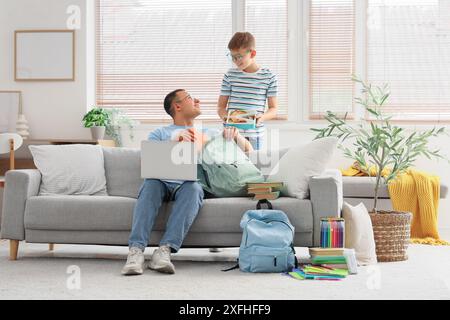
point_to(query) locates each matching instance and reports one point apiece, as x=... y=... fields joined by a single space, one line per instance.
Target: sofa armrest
x=326 y=198
x=19 y=186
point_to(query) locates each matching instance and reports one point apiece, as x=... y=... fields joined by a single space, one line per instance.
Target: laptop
x=168 y=160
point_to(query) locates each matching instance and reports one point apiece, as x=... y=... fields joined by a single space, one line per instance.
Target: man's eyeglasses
x=237 y=57
x=187 y=96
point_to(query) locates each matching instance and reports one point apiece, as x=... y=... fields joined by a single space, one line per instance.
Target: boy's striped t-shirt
x=249 y=91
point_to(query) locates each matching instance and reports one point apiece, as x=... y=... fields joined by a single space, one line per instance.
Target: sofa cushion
x=363 y=187
x=65 y=171
x=116 y=213
x=300 y=163
x=79 y=213
x=266 y=160
x=123 y=171
x=359 y=233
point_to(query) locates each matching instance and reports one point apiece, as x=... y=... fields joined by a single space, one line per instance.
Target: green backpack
x=224 y=169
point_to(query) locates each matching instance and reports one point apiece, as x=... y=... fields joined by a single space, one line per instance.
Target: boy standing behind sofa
x=247 y=87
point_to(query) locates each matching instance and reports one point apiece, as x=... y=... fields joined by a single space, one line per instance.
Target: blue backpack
x=267 y=241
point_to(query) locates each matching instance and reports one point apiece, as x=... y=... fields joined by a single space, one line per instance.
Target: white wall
x=55 y=109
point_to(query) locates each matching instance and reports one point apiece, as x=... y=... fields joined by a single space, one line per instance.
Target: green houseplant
x=118 y=121
x=379 y=144
x=96 y=119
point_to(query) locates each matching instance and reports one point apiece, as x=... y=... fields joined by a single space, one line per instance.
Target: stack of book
x=312 y=272
x=336 y=258
x=326 y=264
x=264 y=190
x=328 y=257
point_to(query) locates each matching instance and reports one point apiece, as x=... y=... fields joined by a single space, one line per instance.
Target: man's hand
x=230 y=133
x=192 y=135
x=188 y=135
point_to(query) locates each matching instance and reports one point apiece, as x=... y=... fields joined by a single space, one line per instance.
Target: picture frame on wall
x=10 y=106
x=44 y=55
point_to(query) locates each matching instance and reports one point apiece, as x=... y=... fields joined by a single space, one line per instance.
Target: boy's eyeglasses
x=237 y=57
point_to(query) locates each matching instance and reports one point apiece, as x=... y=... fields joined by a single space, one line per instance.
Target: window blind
x=409 y=48
x=147 y=48
x=331 y=56
x=267 y=21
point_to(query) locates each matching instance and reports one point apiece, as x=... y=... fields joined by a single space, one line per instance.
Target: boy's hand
x=259 y=119
x=230 y=133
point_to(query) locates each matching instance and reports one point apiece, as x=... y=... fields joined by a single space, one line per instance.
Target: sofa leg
x=13 y=249
x=51 y=246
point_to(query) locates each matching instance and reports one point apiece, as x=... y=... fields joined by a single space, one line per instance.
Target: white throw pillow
x=359 y=233
x=76 y=169
x=300 y=163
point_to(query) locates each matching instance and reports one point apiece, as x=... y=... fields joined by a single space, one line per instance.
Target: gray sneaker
x=135 y=262
x=161 y=260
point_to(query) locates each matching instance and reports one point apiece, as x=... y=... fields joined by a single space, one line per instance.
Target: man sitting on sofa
x=187 y=195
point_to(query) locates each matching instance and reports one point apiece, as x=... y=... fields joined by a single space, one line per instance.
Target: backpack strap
x=258 y=205
x=295 y=257
x=233 y=267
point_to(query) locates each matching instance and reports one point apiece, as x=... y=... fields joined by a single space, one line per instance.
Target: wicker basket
x=391 y=230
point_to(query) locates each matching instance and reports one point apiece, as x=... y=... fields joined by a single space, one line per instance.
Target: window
x=271 y=41
x=409 y=48
x=331 y=56
x=147 y=48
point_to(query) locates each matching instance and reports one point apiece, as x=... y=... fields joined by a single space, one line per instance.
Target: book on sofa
x=264 y=190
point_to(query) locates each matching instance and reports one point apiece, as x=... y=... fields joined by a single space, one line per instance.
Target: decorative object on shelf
x=385 y=151
x=118 y=120
x=9 y=109
x=96 y=119
x=22 y=126
x=22 y=123
x=35 y=57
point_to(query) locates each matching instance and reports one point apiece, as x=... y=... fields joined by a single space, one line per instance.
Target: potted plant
x=118 y=120
x=96 y=119
x=381 y=145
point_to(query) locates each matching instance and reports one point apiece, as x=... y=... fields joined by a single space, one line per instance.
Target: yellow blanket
x=405 y=192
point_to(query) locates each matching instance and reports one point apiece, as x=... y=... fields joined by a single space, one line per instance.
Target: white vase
x=22 y=126
x=98 y=132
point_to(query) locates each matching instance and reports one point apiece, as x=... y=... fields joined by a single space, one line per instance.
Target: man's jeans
x=188 y=199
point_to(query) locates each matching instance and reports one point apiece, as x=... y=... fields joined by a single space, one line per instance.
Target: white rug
x=93 y=272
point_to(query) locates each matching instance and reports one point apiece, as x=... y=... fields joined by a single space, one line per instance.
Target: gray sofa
x=106 y=220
